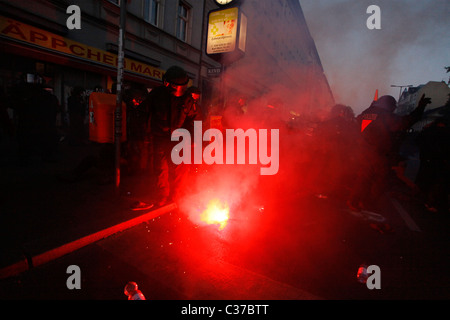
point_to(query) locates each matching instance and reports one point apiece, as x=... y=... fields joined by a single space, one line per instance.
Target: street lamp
x=401 y=87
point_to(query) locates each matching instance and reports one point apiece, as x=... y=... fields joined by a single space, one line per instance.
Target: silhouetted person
x=138 y=142
x=7 y=125
x=166 y=105
x=193 y=109
x=382 y=134
x=77 y=109
x=49 y=109
x=37 y=110
x=433 y=177
x=336 y=150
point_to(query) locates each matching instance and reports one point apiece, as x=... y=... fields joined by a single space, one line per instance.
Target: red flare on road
x=216 y=212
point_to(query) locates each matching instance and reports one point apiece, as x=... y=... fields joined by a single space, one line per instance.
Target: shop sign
x=21 y=32
x=214 y=72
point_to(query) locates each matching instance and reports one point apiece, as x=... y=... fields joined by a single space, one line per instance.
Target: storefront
x=31 y=54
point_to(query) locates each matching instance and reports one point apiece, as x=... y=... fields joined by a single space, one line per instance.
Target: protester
x=49 y=107
x=7 y=125
x=234 y=111
x=382 y=133
x=166 y=106
x=138 y=140
x=193 y=109
x=336 y=148
x=37 y=110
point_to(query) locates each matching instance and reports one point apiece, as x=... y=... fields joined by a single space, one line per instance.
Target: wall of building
x=281 y=64
x=438 y=91
x=280 y=53
x=82 y=56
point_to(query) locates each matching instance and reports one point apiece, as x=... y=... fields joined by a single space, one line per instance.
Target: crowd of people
x=355 y=158
x=360 y=157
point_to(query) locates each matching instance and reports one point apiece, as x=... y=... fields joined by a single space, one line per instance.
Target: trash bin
x=102 y=107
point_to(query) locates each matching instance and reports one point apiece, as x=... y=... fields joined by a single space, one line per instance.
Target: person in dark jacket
x=167 y=105
x=138 y=142
x=193 y=109
x=336 y=150
x=37 y=110
x=382 y=132
x=433 y=177
x=77 y=109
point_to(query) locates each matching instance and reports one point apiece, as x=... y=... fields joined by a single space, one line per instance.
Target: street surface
x=291 y=249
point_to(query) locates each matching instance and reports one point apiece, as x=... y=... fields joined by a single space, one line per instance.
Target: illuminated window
x=151 y=11
x=183 y=21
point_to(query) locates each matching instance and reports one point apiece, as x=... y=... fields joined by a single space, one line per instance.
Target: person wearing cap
x=166 y=105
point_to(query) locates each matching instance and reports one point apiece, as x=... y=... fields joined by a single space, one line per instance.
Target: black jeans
x=170 y=177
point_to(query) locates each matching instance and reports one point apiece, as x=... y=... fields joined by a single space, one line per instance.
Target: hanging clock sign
x=227 y=32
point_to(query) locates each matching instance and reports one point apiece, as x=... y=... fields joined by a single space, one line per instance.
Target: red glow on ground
x=216 y=212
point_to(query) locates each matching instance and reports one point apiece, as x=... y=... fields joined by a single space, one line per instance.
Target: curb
x=14 y=269
x=42 y=258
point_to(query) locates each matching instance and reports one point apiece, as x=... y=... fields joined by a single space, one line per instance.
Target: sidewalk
x=39 y=212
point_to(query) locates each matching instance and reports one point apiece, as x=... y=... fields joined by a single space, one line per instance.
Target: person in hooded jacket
x=382 y=132
x=433 y=177
x=166 y=107
x=335 y=150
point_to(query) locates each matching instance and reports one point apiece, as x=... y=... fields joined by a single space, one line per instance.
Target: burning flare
x=216 y=212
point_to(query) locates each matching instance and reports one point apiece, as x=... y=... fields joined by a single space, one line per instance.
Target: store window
x=183 y=21
x=151 y=11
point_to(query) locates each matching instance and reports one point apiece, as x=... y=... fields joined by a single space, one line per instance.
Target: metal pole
x=118 y=112
x=199 y=84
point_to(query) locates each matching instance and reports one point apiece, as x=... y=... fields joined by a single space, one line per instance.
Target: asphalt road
x=291 y=249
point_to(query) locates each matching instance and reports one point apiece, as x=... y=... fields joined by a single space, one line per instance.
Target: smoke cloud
x=410 y=49
x=279 y=85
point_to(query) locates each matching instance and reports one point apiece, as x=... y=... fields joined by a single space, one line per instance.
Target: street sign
x=214 y=72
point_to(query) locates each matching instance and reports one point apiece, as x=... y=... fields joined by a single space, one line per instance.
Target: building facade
x=281 y=63
x=36 y=45
x=437 y=91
